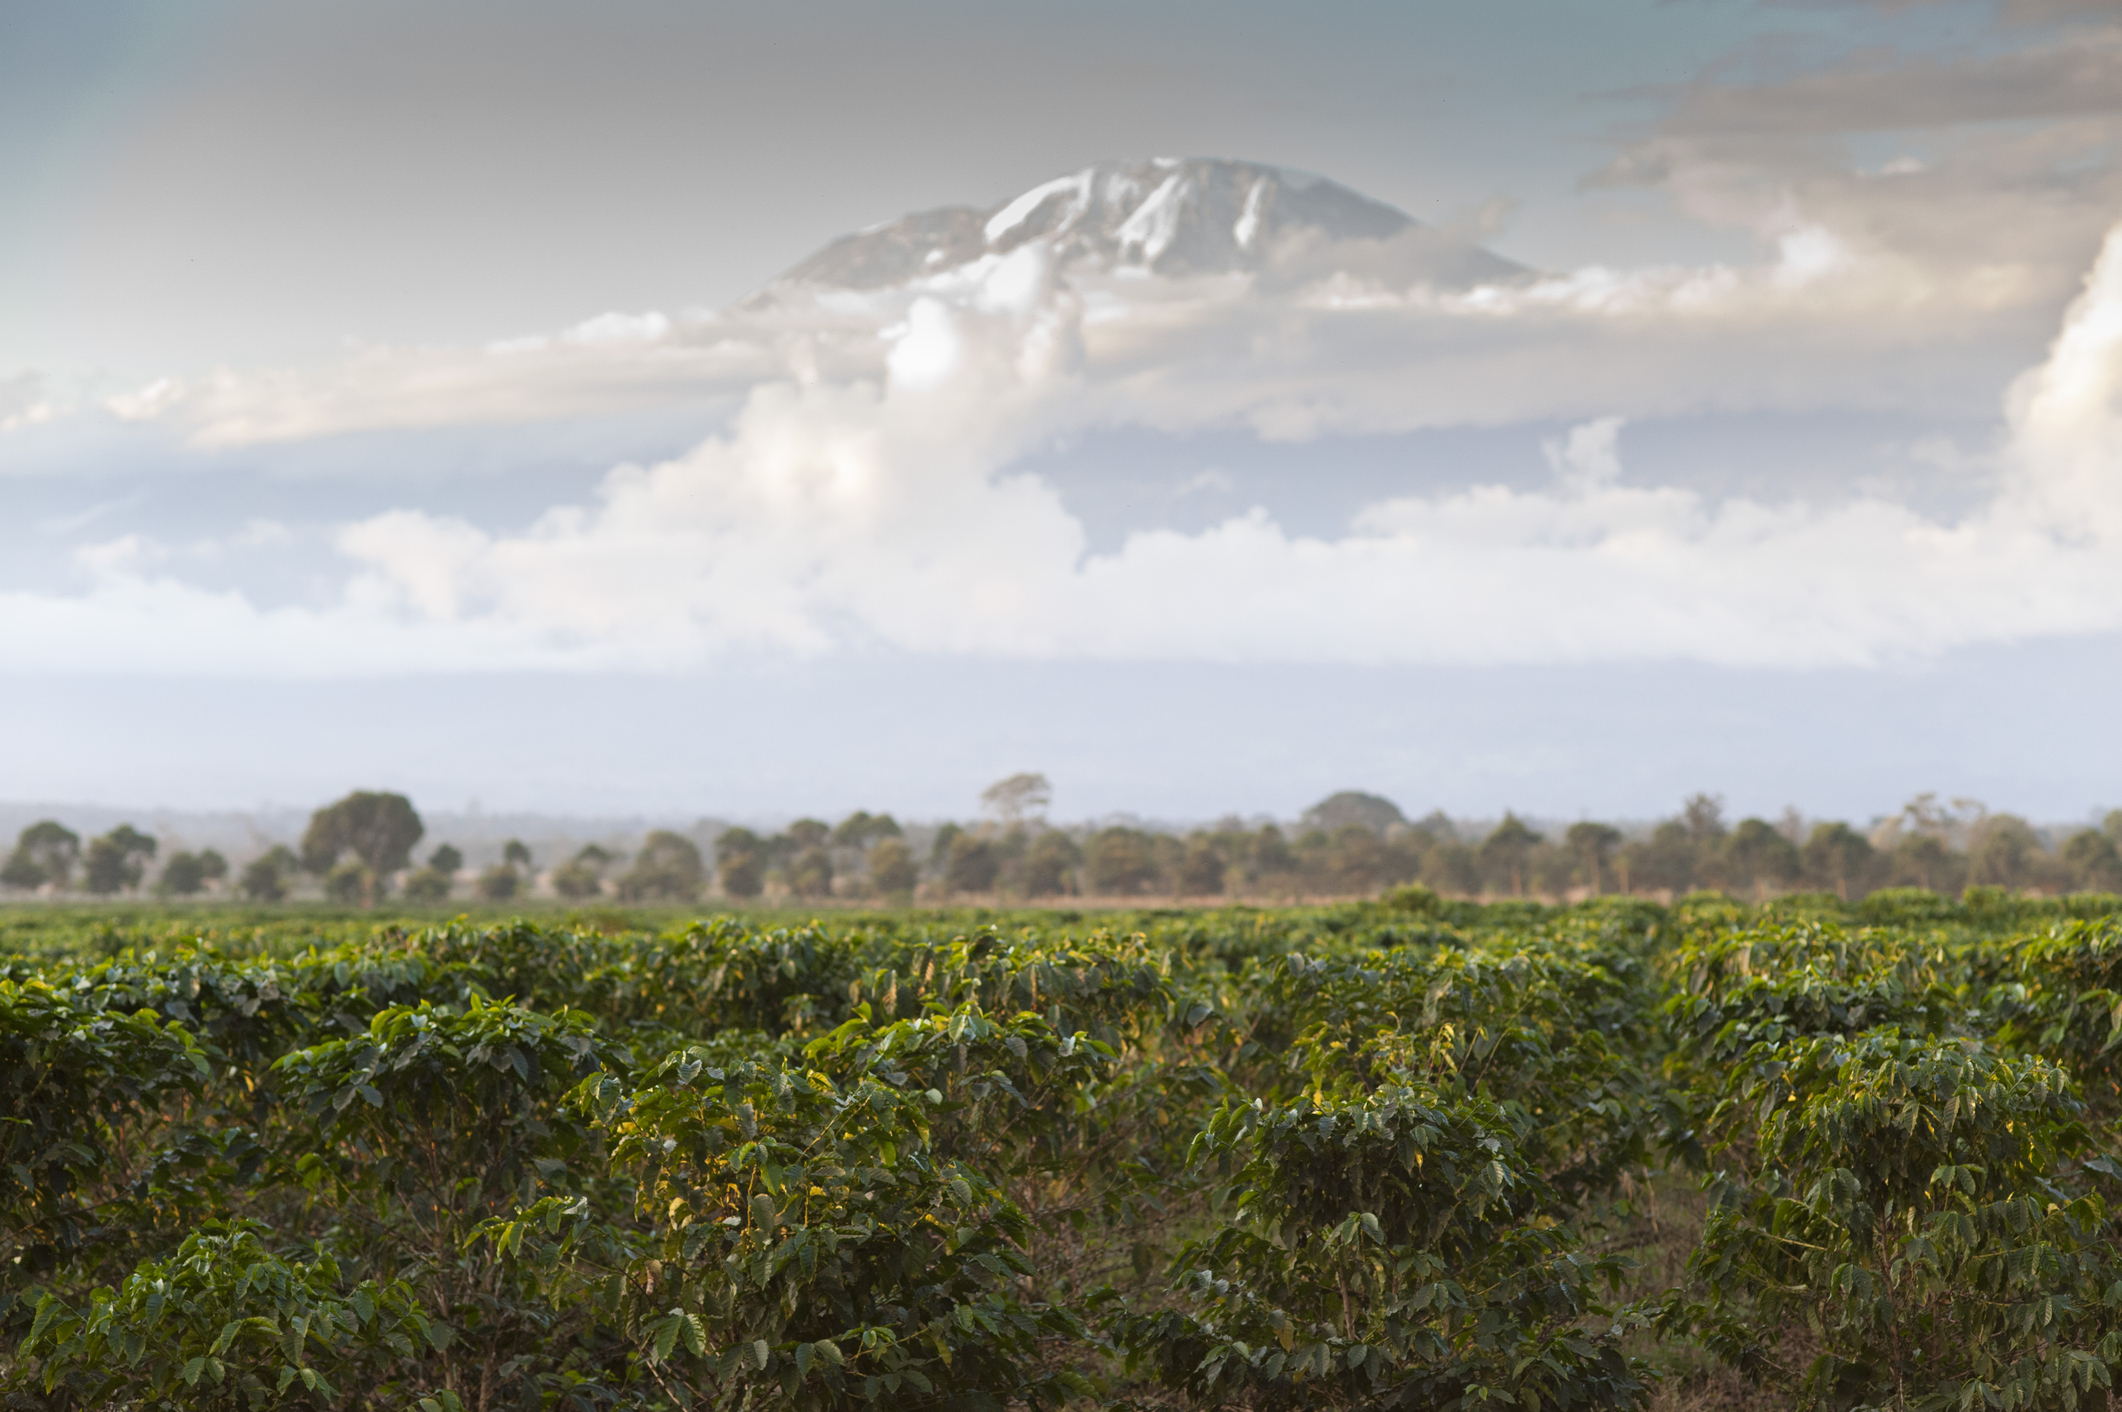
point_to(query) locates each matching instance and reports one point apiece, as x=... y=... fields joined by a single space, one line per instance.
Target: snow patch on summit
x=1017 y=212
x=1149 y=231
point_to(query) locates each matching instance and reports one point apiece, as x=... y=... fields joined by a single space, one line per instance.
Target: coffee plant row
x=1393 y=1156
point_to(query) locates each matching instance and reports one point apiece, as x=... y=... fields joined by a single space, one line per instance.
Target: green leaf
x=666 y=1337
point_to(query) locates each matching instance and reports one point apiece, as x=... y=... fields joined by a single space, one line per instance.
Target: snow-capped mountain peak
x=1167 y=216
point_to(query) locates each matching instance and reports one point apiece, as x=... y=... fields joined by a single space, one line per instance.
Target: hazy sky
x=378 y=405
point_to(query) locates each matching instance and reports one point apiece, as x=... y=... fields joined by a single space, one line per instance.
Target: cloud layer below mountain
x=861 y=496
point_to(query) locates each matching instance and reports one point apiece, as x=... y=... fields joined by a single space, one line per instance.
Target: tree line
x=360 y=849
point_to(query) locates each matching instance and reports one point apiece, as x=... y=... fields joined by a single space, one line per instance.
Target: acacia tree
x=1020 y=797
x=378 y=829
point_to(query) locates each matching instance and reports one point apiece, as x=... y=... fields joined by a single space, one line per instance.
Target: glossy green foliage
x=2063 y=998
x=82 y=1091
x=433 y=1123
x=1368 y=1155
x=811 y=1247
x=1389 y=1250
x=1735 y=990
x=1909 y=1200
x=1557 y=1038
x=226 y=1323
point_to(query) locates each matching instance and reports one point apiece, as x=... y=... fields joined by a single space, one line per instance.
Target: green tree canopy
x=265 y=878
x=1352 y=806
x=1594 y=845
x=187 y=874
x=809 y=833
x=45 y=852
x=892 y=870
x=2093 y=861
x=972 y=864
x=1505 y=851
x=668 y=868
x=115 y=861
x=1050 y=864
x=862 y=828
x=740 y=862
x=379 y=829
x=1119 y=862
x=2003 y=851
x=1838 y=855
x=810 y=873
x=583 y=875
x=1756 y=855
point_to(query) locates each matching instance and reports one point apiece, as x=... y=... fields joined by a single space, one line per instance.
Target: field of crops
x=1410 y=1154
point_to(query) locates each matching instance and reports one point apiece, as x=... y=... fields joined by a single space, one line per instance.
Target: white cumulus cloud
x=861 y=496
x=834 y=515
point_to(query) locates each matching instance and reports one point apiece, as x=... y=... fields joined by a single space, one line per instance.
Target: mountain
x=1170 y=216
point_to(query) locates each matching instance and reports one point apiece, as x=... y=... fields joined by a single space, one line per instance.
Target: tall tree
x=740 y=862
x=1593 y=844
x=582 y=875
x=2093 y=861
x=1119 y=862
x=2003 y=851
x=187 y=874
x=1505 y=851
x=892 y=869
x=1352 y=806
x=265 y=878
x=1757 y=855
x=45 y=852
x=434 y=882
x=116 y=861
x=971 y=865
x=378 y=828
x=810 y=872
x=862 y=828
x=1020 y=797
x=1838 y=856
x=667 y=869
x=1050 y=864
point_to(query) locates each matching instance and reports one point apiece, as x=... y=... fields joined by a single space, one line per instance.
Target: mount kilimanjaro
x=1172 y=217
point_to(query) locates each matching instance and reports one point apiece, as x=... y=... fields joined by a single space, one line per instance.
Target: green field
x=1410 y=1154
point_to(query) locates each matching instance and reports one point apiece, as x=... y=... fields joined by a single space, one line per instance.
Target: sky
x=388 y=399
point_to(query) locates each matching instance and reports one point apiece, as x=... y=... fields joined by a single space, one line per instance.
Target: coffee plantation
x=1408 y=1154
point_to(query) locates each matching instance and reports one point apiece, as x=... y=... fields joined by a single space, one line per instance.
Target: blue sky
x=329 y=333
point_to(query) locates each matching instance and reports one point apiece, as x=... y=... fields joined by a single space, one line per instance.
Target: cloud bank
x=861 y=498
